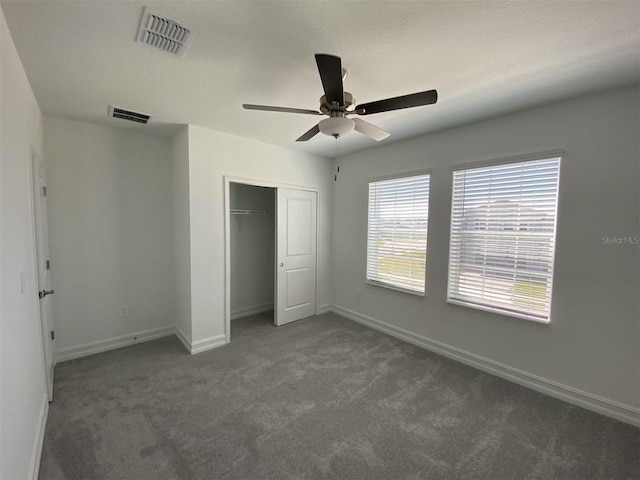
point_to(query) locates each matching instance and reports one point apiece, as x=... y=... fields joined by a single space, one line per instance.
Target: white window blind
x=503 y=222
x=397 y=234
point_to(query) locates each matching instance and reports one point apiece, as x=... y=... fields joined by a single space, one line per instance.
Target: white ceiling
x=484 y=58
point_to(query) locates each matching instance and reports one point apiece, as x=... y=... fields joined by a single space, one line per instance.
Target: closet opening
x=252 y=231
x=270 y=253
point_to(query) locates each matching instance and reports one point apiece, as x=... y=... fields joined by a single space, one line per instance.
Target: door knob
x=44 y=293
x=282 y=264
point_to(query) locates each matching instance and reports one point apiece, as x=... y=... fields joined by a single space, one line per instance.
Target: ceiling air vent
x=137 y=117
x=163 y=33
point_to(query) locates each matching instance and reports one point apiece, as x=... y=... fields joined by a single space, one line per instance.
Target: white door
x=44 y=266
x=295 y=255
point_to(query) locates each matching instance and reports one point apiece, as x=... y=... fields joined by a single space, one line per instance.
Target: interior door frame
x=44 y=329
x=228 y=180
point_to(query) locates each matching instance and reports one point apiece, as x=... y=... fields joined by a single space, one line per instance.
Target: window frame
x=398 y=176
x=547 y=155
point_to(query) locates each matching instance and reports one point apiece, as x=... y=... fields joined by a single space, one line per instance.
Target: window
x=397 y=235
x=503 y=222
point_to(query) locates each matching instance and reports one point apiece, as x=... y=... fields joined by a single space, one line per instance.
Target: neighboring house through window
x=503 y=224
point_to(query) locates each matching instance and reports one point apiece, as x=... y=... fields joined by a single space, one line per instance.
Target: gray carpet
x=322 y=398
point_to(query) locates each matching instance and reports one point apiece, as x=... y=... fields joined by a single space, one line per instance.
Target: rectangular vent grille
x=137 y=117
x=163 y=33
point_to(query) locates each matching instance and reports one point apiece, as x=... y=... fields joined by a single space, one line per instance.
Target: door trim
x=33 y=156
x=228 y=179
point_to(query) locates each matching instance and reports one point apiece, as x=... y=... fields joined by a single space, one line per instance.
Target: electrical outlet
x=124 y=311
x=358 y=293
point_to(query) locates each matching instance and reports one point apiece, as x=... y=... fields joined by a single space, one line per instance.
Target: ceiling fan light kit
x=336 y=126
x=337 y=104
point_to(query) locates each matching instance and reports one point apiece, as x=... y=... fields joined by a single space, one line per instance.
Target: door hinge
x=53 y=335
x=44 y=191
x=48 y=264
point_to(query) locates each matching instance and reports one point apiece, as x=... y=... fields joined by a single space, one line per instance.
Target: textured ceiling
x=484 y=58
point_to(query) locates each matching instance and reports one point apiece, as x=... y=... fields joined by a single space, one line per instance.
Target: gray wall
x=212 y=156
x=110 y=231
x=23 y=395
x=181 y=231
x=592 y=342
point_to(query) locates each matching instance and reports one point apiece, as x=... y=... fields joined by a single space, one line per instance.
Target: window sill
x=396 y=288
x=507 y=313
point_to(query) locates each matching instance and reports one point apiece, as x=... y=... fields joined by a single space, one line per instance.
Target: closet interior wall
x=252 y=249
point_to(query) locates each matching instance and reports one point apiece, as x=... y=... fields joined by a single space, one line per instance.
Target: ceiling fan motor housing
x=327 y=108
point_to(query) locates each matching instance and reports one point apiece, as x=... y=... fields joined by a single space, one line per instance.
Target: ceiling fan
x=338 y=104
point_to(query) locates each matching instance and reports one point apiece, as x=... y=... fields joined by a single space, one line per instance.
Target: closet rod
x=236 y=211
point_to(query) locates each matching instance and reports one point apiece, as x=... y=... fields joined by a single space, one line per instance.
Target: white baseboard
x=251 y=310
x=183 y=339
x=98 y=346
x=569 y=394
x=323 y=309
x=265 y=307
x=36 y=455
x=208 y=344
x=200 y=345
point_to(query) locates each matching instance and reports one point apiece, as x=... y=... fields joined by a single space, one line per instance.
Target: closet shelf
x=235 y=211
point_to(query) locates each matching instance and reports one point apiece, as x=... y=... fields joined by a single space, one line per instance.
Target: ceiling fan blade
x=370 y=130
x=396 y=103
x=330 y=68
x=268 y=108
x=312 y=132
